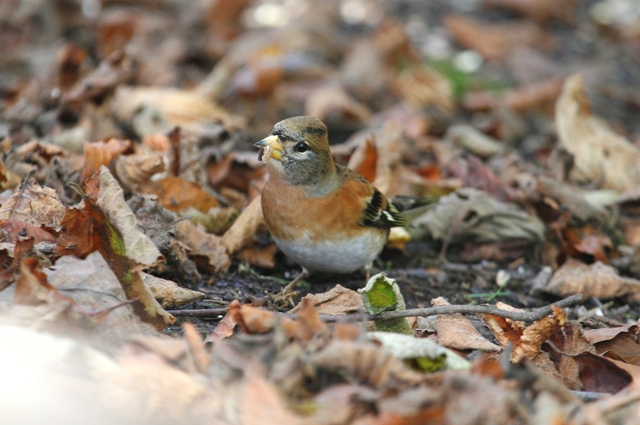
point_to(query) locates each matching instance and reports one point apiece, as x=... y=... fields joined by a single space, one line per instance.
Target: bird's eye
x=301 y=147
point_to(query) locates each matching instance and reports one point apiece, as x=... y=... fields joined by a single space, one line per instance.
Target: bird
x=324 y=216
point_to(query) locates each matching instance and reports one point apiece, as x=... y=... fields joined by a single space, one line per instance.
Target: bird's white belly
x=333 y=256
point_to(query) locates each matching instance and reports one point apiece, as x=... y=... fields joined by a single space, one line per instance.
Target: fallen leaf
x=134 y=171
x=526 y=340
x=168 y=293
x=87 y=230
x=177 y=194
x=594 y=280
x=333 y=105
x=598 y=152
x=338 y=300
x=471 y=215
x=474 y=141
x=14 y=229
x=541 y=11
x=105 y=191
x=95 y=289
x=99 y=154
x=495 y=41
x=34 y=204
x=456 y=331
x=32 y=287
x=421 y=353
x=601 y=375
x=244 y=228
x=225 y=327
x=208 y=251
x=260 y=257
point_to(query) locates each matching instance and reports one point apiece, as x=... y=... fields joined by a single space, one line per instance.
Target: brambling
x=322 y=215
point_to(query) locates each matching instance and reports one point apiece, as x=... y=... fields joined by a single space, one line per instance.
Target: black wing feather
x=374 y=215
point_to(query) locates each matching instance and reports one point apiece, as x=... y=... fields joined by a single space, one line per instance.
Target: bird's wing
x=381 y=212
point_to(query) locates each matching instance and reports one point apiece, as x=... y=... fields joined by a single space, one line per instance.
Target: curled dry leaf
x=471 y=215
x=472 y=140
x=103 y=189
x=136 y=170
x=594 y=280
x=366 y=364
x=35 y=205
x=244 y=228
x=88 y=229
x=102 y=153
x=32 y=287
x=208 y=251
x=600 y=155
x=456 y=331
x=496 y=41
x=168 y=293
x=226 y=326
x=526 y=340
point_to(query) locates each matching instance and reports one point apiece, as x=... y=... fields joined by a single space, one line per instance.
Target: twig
x=199 y=312
x=23 y=187
x=423 y=312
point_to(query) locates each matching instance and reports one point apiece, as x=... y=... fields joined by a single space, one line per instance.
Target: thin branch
x=423 y=312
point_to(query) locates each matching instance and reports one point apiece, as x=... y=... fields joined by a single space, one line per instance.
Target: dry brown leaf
x=208 y=251
x=87 y=230
x=103 y=189
x=456 y=331
x=333 y=105
x=179 y=107
x=225 y=327
x=136 y=170
x=364 y=159
x=595 y=280
x=338 y=300
x=168 y=293
x=422 y=87
x=14 y=229
x=540 y=11
x=32 y=287
x=259 y=257
x=237 y=170
x=496 y=41
x=366 y=364
x=526 y=340
x=35 y=205
x=538 y=96
x=257 y=320
x=95 y=290
x=102 y=153
x=177 y=194
x=309 y=326
x=600 y=155
x=244 y=228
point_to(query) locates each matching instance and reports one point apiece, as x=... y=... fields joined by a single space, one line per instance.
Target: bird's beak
x=273 y=147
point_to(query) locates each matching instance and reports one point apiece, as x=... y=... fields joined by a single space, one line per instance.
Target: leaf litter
x=128 y=186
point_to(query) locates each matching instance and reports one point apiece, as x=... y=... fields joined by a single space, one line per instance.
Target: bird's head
x=298 y=148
